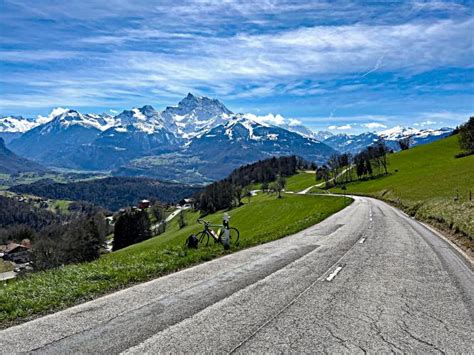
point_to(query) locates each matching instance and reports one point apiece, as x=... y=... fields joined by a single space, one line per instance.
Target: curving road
x=367 y=279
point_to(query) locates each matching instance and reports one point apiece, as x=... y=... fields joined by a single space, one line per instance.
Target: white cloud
x=186 y=48
x=55 y=112
x=374 y=125
x=341 y=128
x=294 y=122
x=427 y=123
x=269 y=119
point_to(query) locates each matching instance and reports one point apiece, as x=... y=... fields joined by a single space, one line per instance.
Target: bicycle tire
x=234 y=235
x=203 y=237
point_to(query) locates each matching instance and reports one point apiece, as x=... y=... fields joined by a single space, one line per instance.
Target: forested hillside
x=112 y=193
x=13 y=212
x=228 y=192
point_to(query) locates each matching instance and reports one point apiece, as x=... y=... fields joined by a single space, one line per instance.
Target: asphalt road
x=367 y=279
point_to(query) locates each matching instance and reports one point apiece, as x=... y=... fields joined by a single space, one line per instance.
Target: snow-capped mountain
x=241 y=140
x=50 y=142
x=199 y=139
x=16 y=124
x=298 y=128
x=322 y=135
x=346 y=143
x=69 y=118
x=145 y=119
x=214 y=152
x=418 y=136
x=194 y=114
x=12 y=127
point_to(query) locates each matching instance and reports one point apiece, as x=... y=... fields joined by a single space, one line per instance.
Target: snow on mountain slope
x=194 y=114
x=398 y=132
x=67 y=118
x=16 y=124
x=346 y=143
x=249 y=139
x=322 y=135
x=145 y=119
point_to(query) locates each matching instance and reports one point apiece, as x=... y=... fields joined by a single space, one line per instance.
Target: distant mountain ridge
x=347 y=143
x=195 y=141
x=10 y=163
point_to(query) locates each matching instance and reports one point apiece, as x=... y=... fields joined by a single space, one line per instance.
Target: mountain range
x=197 y=140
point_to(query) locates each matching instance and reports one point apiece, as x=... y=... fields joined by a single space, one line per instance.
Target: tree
x=247 y=193
x=278 y=185
x=132 y=226
x=368 y=166
x=238 y=195
x=264 y=186
x=181 y=220
x=405 y=143
x=323 y=173
x=466 y=136
x=158 y=211
x=382 y=150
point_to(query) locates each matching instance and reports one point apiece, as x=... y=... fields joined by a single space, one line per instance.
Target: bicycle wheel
x=203 y=237
x=234 y=236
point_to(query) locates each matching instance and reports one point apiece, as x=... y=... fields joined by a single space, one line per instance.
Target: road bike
x=225 y=235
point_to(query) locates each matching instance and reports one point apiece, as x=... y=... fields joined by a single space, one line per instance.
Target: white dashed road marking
x=334 y=273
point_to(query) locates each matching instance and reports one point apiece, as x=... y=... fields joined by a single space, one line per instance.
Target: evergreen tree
x=132 y=226
x=181 y=220
x=466 y=136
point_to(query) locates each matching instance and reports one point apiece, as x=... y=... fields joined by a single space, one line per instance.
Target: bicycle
x=220 y=236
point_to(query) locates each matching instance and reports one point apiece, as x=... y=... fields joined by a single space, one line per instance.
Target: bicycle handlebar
x=202 y=221
x=207 y=223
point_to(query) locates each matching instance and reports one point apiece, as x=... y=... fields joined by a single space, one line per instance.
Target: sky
x=346 y=66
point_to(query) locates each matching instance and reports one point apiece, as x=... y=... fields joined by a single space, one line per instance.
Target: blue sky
x=347 y=65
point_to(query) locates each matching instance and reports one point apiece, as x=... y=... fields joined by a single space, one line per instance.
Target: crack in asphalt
x=405 y=327
x=233 y=350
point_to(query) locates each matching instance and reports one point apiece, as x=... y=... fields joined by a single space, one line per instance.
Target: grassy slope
x=300 y=181
x=426 y=183
x=51 y=290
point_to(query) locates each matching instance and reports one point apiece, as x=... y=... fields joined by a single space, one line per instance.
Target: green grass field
x=425 y=181
x=300 y=181
x=264 y=219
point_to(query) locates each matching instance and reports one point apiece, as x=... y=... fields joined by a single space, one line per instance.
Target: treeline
x=266 y=170
x=56 y=239
x=368 y=163
x=78 y=241
x=13 y=212
x=111 y=193
x=228 y=193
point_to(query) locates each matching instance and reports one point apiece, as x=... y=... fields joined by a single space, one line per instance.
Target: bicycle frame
x=211 y=232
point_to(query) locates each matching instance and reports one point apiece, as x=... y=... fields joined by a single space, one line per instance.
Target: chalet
x=188 y=202
x=17 y=253
x=144 y=204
